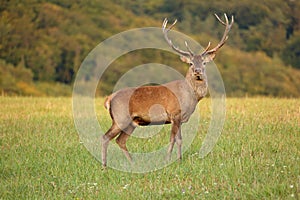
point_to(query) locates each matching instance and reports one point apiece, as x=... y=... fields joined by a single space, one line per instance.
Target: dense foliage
x=44 y=42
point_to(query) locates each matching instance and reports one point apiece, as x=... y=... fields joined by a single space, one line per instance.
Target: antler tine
x=225 y=35
x=165 y=24
x=170 y=27
x=222 y=20
x=188 y=48
x=165 y=32
x=207 y=47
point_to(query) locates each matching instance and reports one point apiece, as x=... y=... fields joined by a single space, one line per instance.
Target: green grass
x=256 y=157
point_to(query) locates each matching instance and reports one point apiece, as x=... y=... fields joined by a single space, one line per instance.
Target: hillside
x=44 y=42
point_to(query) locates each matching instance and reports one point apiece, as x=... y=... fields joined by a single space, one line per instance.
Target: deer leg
x=108 y=136
x=172 y=142
x=179 y=143
x=174 y=132
x=121 y=141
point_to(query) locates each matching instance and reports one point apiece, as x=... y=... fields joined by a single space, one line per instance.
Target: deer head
x=198 y=61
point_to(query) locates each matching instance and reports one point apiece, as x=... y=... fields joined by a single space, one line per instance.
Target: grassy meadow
x=256 y=157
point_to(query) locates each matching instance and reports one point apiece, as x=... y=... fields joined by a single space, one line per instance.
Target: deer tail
x=107 y=102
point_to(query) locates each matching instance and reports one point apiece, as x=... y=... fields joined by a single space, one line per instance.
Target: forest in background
x=44 y=42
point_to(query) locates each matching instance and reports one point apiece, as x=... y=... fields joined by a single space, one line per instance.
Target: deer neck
x=199 y=87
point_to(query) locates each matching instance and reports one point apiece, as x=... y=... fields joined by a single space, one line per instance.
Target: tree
x=291 y=53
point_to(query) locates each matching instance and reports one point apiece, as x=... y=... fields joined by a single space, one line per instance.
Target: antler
x=166 y=30
x=225 y=35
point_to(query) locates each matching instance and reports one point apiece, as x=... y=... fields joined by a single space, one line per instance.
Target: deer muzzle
x=198 y=74
x=199 y=77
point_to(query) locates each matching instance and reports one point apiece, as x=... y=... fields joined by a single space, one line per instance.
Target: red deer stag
x=173 y=102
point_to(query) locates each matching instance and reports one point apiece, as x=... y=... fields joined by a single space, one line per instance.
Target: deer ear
x=185 y=59
x=209 y=57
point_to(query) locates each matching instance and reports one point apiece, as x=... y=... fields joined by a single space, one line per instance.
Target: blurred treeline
x=42 y=43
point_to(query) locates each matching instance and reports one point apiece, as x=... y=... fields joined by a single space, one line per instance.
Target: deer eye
x=191 y=64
